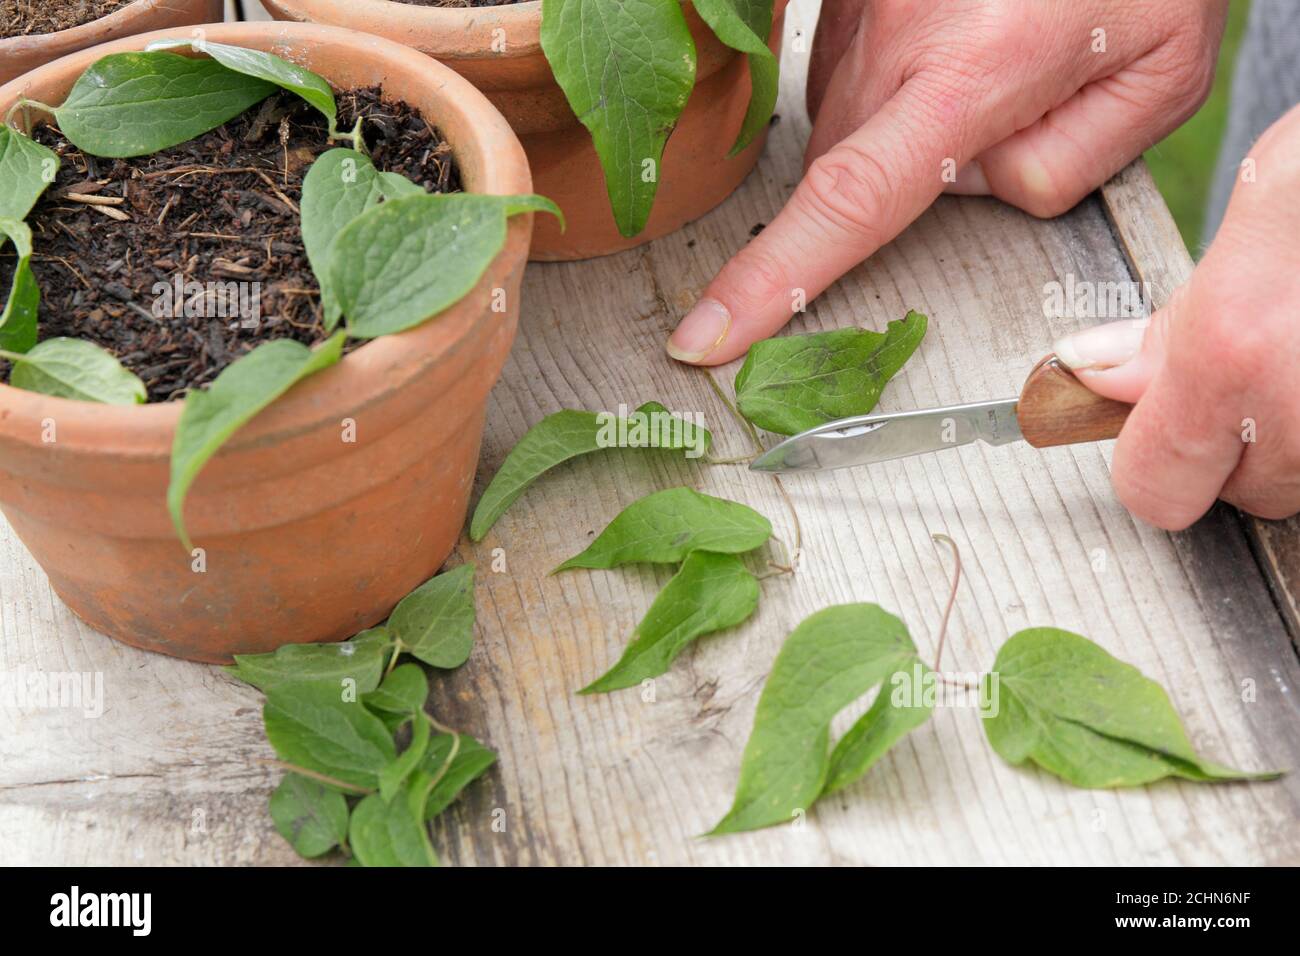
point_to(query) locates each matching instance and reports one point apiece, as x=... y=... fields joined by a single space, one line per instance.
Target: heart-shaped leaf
x=796 y=382
x=435 y=622
x=663 y=528
x=387 y=833
x=1067 y=705
x=318 y=727
x=73 y=368
x=745 y=25
x=312 y=817
x=360 y=660
x=133 y=104
x=26 y=169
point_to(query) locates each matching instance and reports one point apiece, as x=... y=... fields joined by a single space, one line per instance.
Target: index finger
x=854 y=198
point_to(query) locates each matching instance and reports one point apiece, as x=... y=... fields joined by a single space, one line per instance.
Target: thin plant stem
x=952 y=595
x=24 y=104
x=758 y=450
x=320 y=777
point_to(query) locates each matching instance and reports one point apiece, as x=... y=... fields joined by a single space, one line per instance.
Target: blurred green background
x=1183 y=162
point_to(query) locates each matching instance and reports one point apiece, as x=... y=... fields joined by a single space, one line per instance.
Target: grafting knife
x=1054 y=408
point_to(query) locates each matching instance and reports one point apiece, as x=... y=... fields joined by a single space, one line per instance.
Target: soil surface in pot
x=182 y=261
x=20 y=18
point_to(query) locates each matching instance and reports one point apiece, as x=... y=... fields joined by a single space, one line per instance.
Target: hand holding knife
x=1053 y=408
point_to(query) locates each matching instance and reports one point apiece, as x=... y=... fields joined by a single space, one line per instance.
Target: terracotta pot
x=696 y=173
x=20 y=54
x=306 y=537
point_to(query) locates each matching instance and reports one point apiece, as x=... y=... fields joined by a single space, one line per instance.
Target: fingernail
x=1102 y=346
x=702 y=331
x=970 y=181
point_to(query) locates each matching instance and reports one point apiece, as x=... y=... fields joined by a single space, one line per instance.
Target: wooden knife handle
x=1055 y=408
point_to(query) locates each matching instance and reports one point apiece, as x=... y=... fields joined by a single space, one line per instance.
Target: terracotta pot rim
x=461 y=32
x=363 y=376
x=121 y=18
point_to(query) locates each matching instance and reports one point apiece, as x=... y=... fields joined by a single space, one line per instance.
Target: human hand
x=1214 y=372
x=1036 y=102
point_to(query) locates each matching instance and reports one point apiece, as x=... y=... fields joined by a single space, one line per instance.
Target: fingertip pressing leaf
x=26 y=169
x=711 y=592
x=403 y=691
x=394 y=775
x=386 y=833
x=1067 y=705
x=827 y=662
x=897 y=710
x=244 y=388
x=133 y=104
x=18 y=320
x=745 y=25
x=309 y=815
x=796 y=382
x=631 y=99
x=664 y=527
x=264 y=66
x=567 y=434
x=360 y=660
x=76 y=369
x=452 y=771
x=313 y=726
x=435 y=622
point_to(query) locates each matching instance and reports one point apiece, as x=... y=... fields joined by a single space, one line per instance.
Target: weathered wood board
x=171 y=771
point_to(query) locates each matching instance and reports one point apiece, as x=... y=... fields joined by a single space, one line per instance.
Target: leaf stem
x=24 y=104
x=757 y=442
x=319 y=777
x=952 y=595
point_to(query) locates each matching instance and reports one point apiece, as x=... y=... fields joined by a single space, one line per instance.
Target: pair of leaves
x=1091 y=719
x=331 y=712
x=395 y=266
x=711 y=591
x=796 y=382
x=243 y=389
x=567 y=434
x=830 y=660
x=1059 y=701
x=133 y=104
x=434 y=623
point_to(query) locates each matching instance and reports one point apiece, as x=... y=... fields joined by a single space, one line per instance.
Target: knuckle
x=852 y=191
x=1148 y=503
x=764 y=279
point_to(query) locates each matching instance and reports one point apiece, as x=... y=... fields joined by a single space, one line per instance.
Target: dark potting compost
x=182 y=261
x=19 y=18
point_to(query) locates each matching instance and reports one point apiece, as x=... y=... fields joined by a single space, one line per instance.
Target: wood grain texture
x=1055 y=408
x=1157 y=257
x=171 y=771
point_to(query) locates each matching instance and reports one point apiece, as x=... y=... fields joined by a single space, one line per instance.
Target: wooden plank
x=170 y=772
x=1158 y=258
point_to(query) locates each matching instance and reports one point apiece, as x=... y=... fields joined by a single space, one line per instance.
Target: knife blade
x=1054 y=408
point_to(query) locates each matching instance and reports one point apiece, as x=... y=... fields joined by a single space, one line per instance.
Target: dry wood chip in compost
x=215 y=219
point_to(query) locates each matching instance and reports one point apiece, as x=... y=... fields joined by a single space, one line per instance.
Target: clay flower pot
x=696 y=173
x=20 y=54
x=306 y=537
